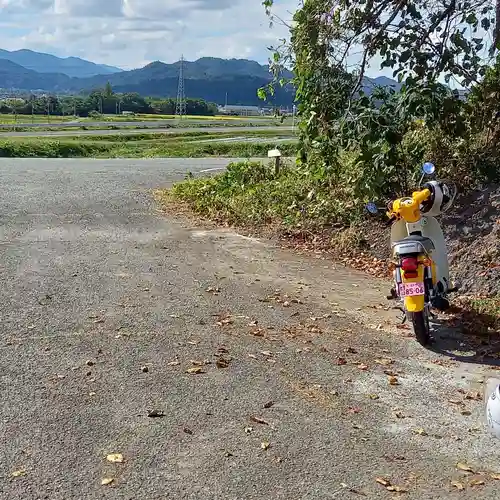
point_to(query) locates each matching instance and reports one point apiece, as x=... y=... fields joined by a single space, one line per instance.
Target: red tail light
x=409 y=265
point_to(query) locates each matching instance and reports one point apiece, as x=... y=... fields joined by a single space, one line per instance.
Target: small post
x=276 y=154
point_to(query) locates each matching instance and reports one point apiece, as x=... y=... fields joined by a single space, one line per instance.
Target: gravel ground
x=307 y=389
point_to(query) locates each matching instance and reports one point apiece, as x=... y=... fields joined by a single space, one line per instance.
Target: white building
x=230 y=109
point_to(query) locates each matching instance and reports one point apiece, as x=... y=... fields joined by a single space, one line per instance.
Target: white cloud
x=131 y=33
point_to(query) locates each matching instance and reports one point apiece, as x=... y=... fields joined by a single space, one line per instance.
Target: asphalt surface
x=106 y=302
x=215 y=130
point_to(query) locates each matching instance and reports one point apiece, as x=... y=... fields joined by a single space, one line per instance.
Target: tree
x=424 y=42
x=108 y=90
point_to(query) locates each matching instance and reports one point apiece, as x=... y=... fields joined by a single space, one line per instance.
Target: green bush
x=50 y=149
x=250 y=193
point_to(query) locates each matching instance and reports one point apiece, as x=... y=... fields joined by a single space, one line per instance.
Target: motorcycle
x=421 y=274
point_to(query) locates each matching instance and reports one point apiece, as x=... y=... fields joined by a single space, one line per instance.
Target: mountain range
x=209 y=78
x=47 y=63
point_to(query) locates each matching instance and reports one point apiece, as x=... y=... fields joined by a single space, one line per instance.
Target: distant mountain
x=382 y=81
x=208 y=78
x=14 y=76
x=47 y=63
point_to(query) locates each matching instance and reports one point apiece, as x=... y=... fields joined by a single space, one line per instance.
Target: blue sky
x=131 y=33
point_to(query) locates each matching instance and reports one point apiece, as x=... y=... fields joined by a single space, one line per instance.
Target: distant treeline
x=103 y=101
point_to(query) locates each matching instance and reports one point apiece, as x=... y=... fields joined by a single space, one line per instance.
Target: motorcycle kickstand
x=404 y=318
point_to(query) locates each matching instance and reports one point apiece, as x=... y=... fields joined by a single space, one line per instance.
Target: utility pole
x=180 y=107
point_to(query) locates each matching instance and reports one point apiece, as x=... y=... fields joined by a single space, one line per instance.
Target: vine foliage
x=370 y=139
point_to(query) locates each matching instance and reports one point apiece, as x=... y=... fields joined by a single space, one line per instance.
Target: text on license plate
x=411 y=289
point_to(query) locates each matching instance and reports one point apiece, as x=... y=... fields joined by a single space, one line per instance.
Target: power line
x=180 y=107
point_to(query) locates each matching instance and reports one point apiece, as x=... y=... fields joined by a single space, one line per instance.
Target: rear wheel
x=421 y=327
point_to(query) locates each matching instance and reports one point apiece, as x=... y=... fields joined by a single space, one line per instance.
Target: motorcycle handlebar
x=390 y=221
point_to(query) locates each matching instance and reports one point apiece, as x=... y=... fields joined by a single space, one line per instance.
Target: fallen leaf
x=253 y=356
x=392 y=458
x=476 y=482
x=458 y=485
x=383 y=481
x=455 y=401
x=466 y=413
x=393 y=380
x=475 y=396
x=265 y=445
x=196 y=362
x=19 y=473
x=224 y=321
x=115 y=458
x=495 y=475
x=374 y=396
x=269 y=404
x=187 y=431
x=391 y=373
x=155 y=414
x=397 y=489
x=266 y=353
x=420 y=432
x=259 y=420
x=464 y=467
x=195 y=370
x=222 y=362
x=341 y=361
x=258 y=332
x=363 y=367
x=384 y=361
x=106 y=480
x=174 y=363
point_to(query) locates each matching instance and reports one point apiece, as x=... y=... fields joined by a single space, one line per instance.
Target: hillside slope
x=208 y=78
x=14 y=76
x=48 y=63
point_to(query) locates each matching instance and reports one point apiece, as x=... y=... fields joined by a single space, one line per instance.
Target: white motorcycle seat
x=411 y=243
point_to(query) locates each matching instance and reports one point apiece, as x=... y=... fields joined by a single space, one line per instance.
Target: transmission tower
x=180 y=107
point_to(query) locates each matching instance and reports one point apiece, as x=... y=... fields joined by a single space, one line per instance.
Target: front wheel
x=421 y=327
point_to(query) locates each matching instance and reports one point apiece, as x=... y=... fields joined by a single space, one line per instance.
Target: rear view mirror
x=428 y=168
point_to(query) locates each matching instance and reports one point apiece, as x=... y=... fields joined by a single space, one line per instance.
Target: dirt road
x=306 y=389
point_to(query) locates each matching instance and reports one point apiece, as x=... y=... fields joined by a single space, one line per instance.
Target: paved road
x=208 y=130
x=105 y=303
